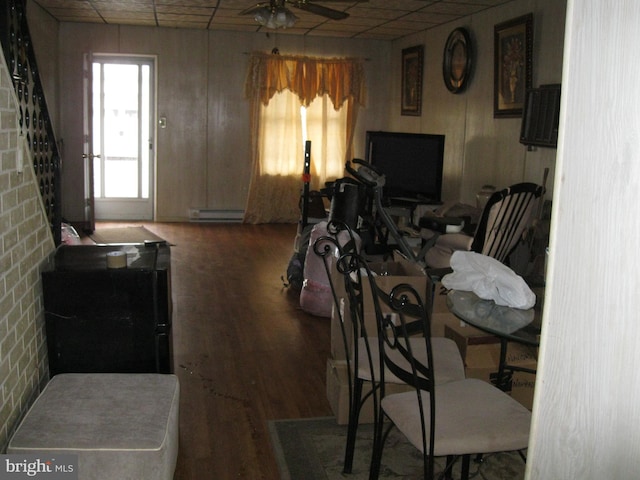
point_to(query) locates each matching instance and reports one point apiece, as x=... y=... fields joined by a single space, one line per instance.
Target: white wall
x=586 y=409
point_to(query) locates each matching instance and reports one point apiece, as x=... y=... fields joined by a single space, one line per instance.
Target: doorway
x=122 y=100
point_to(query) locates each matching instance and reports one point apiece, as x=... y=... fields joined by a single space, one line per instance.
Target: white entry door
x=123 y=102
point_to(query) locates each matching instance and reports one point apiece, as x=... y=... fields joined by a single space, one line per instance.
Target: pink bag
x=316 y=297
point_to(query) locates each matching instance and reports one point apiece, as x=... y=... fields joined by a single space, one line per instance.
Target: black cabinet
x=109 y=320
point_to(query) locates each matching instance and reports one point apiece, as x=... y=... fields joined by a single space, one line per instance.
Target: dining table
x=507 y=323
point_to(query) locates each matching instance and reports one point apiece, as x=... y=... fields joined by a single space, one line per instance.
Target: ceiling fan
x=274 y=14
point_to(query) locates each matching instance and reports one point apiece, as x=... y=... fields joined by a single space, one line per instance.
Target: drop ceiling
x=368 y=19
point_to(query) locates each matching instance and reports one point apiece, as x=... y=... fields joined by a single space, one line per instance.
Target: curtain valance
x=339 y=78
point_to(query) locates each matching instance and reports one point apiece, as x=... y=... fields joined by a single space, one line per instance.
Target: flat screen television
x=411 y=162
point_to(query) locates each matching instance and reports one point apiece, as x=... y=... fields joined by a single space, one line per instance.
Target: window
x=286 y=126
x=329 y=90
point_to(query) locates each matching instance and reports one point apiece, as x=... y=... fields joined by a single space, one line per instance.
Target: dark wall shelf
x=541 y=116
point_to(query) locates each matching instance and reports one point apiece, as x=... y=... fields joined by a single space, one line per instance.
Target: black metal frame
x=34 y=120
x=339 y=250
x=404 y=300
x=412 y=318
x=340 y=240
x=515 y=199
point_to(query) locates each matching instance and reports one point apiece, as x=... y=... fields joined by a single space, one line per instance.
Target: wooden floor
x=244 y=352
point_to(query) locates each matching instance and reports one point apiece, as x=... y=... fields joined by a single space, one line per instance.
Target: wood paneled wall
x=203 y=155
x=481 y=149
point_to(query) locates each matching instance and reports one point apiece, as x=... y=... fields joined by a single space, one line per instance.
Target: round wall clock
x=456 y=63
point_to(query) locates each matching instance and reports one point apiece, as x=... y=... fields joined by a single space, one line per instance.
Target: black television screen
x=411 y=163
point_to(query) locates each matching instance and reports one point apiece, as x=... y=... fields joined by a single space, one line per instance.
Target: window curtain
x=277 y=86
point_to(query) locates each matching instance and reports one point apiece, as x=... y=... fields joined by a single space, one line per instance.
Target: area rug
x=313 y=449
x=107 y=236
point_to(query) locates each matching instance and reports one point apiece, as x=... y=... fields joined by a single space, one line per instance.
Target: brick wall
x=26 y=247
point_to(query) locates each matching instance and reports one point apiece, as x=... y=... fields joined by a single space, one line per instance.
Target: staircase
x=34 y=122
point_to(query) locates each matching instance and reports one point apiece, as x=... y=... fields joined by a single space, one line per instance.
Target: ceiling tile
x=371 y=19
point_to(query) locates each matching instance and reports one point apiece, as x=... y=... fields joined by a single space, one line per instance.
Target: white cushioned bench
x=121 y=426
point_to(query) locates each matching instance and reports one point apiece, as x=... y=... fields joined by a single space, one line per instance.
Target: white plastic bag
x=488 y=279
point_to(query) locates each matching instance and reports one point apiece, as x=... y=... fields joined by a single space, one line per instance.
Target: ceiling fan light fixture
x=277 y=17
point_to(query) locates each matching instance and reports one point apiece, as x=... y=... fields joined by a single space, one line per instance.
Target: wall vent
x=209 y=215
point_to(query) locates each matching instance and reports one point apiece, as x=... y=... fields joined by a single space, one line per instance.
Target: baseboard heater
x=209 y=215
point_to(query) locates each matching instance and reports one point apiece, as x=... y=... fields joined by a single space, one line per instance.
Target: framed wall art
x=513 y=52
x=412 y=65
x=456 y=60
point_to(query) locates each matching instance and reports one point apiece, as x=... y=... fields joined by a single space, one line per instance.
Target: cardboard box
x=338 y=393
x=338 y=350
x=480 y=352
x=389 y=274
x=522 y=388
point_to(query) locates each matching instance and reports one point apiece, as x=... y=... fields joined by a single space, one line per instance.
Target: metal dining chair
x=364 y=363
x=505 y=217
x=457 y=419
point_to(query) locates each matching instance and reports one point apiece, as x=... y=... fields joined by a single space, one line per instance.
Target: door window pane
x=120 y=178
x=97 y=128
x=145 y=134
x=121 y=122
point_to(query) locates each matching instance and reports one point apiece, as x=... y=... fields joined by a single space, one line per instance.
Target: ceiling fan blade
x=253 y=8
x=320 y=10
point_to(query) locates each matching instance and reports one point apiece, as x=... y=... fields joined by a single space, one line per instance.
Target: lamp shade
x=276 y=17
